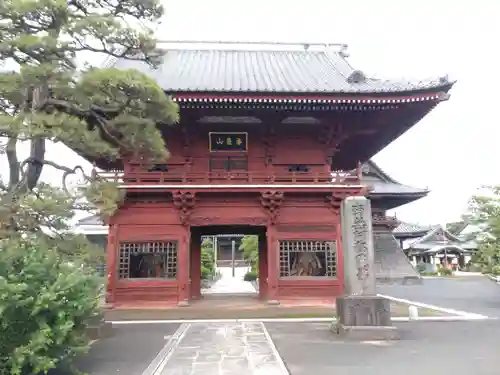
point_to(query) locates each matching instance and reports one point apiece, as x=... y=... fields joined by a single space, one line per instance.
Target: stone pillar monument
x=361 y=314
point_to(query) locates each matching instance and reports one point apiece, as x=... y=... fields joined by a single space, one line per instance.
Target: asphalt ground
x=459 y=348
x=308 y=348
x=474 y=294
x=128 y=351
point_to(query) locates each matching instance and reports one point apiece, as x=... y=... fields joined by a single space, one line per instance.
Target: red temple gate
x=257 y=159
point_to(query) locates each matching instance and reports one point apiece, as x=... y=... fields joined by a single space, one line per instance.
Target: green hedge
x=250 y=276
x=207 y=260
x=45 y=304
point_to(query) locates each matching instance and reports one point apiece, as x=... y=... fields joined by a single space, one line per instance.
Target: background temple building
x=440 y=247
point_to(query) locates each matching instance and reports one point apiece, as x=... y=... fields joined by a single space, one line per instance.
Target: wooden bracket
x=335 y=199
x=184 y=202
x=272 y=201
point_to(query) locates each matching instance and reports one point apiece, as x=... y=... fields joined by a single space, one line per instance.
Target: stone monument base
x=98 y=328
x=365 y=318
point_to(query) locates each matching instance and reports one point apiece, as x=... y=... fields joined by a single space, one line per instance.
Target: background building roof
x=409 y=228
x=382 y=184
x=440 y=238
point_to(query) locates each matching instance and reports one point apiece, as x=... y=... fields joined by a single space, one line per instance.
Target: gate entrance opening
x=228 y=261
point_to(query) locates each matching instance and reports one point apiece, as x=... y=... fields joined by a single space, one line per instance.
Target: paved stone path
x=224 y=349
x=229 y=284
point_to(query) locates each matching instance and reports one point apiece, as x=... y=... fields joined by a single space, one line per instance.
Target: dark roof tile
x=381 y=183
x=411 y=228
x=239 y=71
x=91 y=220
x=440 y=237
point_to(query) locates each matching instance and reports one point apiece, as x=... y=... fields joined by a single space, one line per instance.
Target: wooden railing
x=243 y=178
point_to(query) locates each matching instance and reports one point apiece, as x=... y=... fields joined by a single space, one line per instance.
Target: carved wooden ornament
x=184 y=202
x=272 y=201
x=336 y=198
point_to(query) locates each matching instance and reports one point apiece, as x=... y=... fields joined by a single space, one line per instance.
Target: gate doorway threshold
x=226 y=306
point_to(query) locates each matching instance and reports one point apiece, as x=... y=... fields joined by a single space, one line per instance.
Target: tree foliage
x=207 y=259
x=484 y=214
x=250 y=247
x=49 y=96
x=455 y=227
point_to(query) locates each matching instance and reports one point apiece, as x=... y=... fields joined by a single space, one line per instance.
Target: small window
x=228 y=163
x=299 y=168
x=148 y=260
x=307 y=258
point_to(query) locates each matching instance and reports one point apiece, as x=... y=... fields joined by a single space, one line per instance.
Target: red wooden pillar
x=272 y=266
x=195 y=264
x=111 y=268
x=183 y=269
x=263 y=271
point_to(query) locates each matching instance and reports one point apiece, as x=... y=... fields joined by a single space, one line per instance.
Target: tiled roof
x=91 y=220
x=411 y=228
x=440 y=237
x=243 y=71
x=382 y=188
x=382 y=184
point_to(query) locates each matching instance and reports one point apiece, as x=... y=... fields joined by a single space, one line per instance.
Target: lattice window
x=148 y=260
x=228 y=163
x=306 y=258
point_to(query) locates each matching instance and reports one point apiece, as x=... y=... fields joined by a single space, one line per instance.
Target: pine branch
x=11 y=152
x=66 y=170
x=96 y=115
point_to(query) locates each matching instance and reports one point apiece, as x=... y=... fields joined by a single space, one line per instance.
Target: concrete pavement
x=475 y=294
x=459 y=348
x=248 y=348
x=229 y=284
x=223 y=349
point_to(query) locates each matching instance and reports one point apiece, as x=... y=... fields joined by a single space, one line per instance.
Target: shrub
x=250 y=247
x=443 y=271
x=250 y=276
x=429 y=273
x=45 y=304
x=495 y=270
x=421 y=268
x=473 y=267
x=207 y=260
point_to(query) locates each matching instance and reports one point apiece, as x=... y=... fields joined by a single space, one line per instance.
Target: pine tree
x=47 y=291
x=51 y=96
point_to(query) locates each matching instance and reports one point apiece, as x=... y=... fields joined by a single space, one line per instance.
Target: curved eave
x=217 y=99
x=391 y=201
x=425 y=100
x=405 y=235
x=410 y=196
x=386 y=127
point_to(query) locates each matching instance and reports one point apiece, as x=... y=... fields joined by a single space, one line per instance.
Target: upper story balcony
x=137 y=177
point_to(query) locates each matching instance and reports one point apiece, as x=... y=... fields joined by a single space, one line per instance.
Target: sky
x=454 y=149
